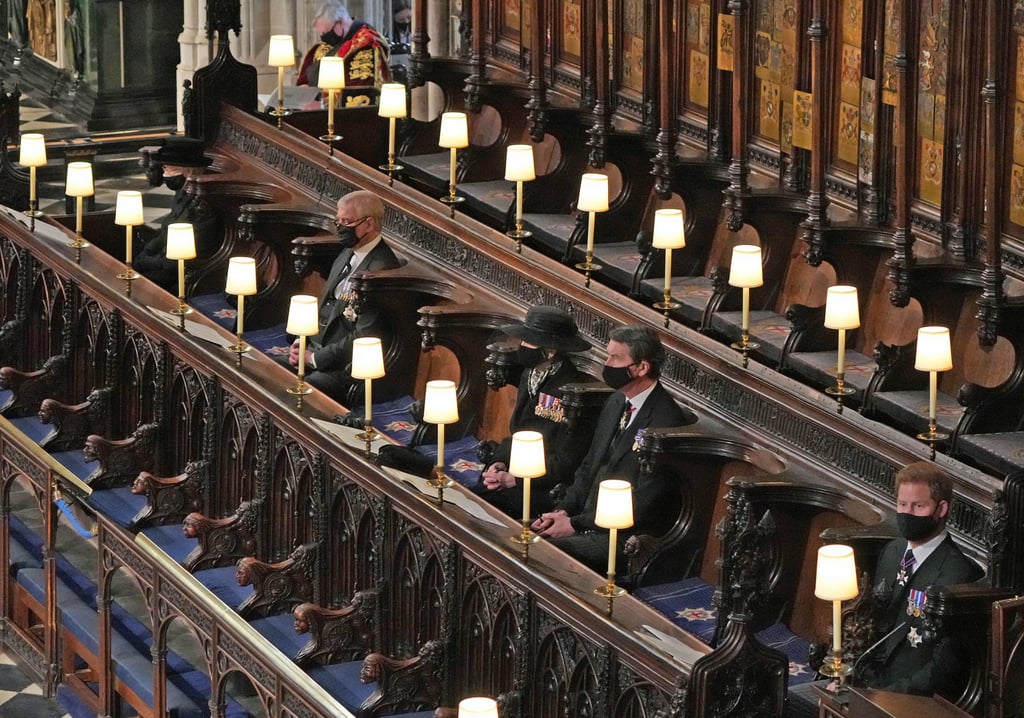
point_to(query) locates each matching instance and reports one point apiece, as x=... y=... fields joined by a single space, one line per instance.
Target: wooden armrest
x=277 y=587
x=120 y=460
x=341 y=634
x=170 y=499
x=404 y=684
x=221 y=541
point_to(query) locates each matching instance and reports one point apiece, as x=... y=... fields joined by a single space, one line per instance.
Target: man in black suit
x=329 y=354
x=911 y=660
x=546 y=338
x=179 y=158
x=635 y=355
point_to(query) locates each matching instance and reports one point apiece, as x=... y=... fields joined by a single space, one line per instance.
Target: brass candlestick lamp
x=32 y=154
x=367 y=364
x=836 y=581
x=440 y=407
x=745 y=272
x=392 y=104
x=454 y=135
x=281 y=55
x=933 y=355
x=593 y=198
x=519 y=168
x=129 y=214
x=241 y=282
x=841 y=313
x=79 y=185
x=303 y=321
x=614 y=512
x=526 y=461
x=669 y=234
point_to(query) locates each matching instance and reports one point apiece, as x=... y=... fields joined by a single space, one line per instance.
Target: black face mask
x=347 y=237
x=530 y=356
x=616 y=376
x=916 y=528
x=331 y=38
x=174 y=183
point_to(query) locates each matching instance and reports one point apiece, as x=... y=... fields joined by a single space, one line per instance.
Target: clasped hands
x=293 y=355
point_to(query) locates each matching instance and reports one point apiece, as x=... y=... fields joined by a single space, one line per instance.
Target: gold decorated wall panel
x=697 y=54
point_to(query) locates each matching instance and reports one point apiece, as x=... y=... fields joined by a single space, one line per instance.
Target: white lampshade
x=79 y=180
x=440 y=404
x=332 y=73
x=282 y=51
x=836 y=577
x=128 y=210
x=668 y=229
x=593 y=193
x=181 y=241
x=745 y=270
x=614 y=504
x=841 y=310
x=33 y=150
x=241 y=276
x=392 y=100
x=526 y=459
x=519 y=163
x=303 y=316
x=933 y=350
x=478 y=707
x=454 y=130
x=367 y=358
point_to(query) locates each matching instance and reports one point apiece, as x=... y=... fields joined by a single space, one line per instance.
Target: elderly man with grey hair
x=364 y=50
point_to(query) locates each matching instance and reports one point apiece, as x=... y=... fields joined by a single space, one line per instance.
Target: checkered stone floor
x=20 y=697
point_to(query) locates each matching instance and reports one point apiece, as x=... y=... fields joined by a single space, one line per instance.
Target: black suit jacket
x=910 y=666
x=655 y=500
x=332 y=347
x=151 y=261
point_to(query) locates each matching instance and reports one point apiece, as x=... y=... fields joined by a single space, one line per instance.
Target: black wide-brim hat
x=181 y=152
x=550 y=328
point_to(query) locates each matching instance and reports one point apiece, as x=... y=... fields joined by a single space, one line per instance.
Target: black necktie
x=339 y=287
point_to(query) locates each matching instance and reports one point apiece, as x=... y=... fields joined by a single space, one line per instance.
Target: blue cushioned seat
x=460 y=459
x=341 y=680
x=272 y=341
x=171 y=539
x=216 y=307
x=688 y=603
x=32 y=427
x=280 y=630
x=118 y=504
x=74 y=461
x=393 y=418
x=779 y=637
x=223 y=584
x=26 y=546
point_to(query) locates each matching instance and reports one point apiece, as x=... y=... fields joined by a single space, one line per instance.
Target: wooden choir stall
x=187 y=536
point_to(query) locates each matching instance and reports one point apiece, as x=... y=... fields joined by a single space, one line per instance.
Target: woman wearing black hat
x=180 y=158
x=546 y=338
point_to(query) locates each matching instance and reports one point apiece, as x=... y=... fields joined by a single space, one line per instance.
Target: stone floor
x=20 y=697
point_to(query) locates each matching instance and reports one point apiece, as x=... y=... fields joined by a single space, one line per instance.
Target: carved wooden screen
x=932 y=92
x=1015 y=105
x=854 y=96
x=567 y=44
x=696 y=50
x=628 y=28
x=776 y=43
x=510 y=28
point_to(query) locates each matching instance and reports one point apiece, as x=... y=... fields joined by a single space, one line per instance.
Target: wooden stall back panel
x=883 y=322
x=804 y=284
x=709 y=571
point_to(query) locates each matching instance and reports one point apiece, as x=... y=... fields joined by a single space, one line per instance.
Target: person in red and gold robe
x=365 y=52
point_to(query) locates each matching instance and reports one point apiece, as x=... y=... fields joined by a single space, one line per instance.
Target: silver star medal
x=901 y=577
x=914 y=637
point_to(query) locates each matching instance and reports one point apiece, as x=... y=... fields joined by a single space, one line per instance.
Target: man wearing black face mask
x=547 y=336
x=635 y=355
x=364 y=50
x=180 y=158
x=911 y=660
x=329 y=353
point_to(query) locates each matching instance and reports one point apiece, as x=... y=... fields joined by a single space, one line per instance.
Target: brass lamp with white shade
x=181 y=245
x=303 y=321
x=129 y=214
x=836 y=581
x=519 y=168
x=455 y=136
x=32 y=154
x=241 y=282
x=841 y=313
x=669 y=233
x=934 y=354
x=593 y=198
x=745 y=272
x=367 y=364
x=79 y=185
x=526 y=461
x=440 y=407
x=281 y=55
x=478 y=707
x=393 y=105
x=331 y=78
x=614 y=512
